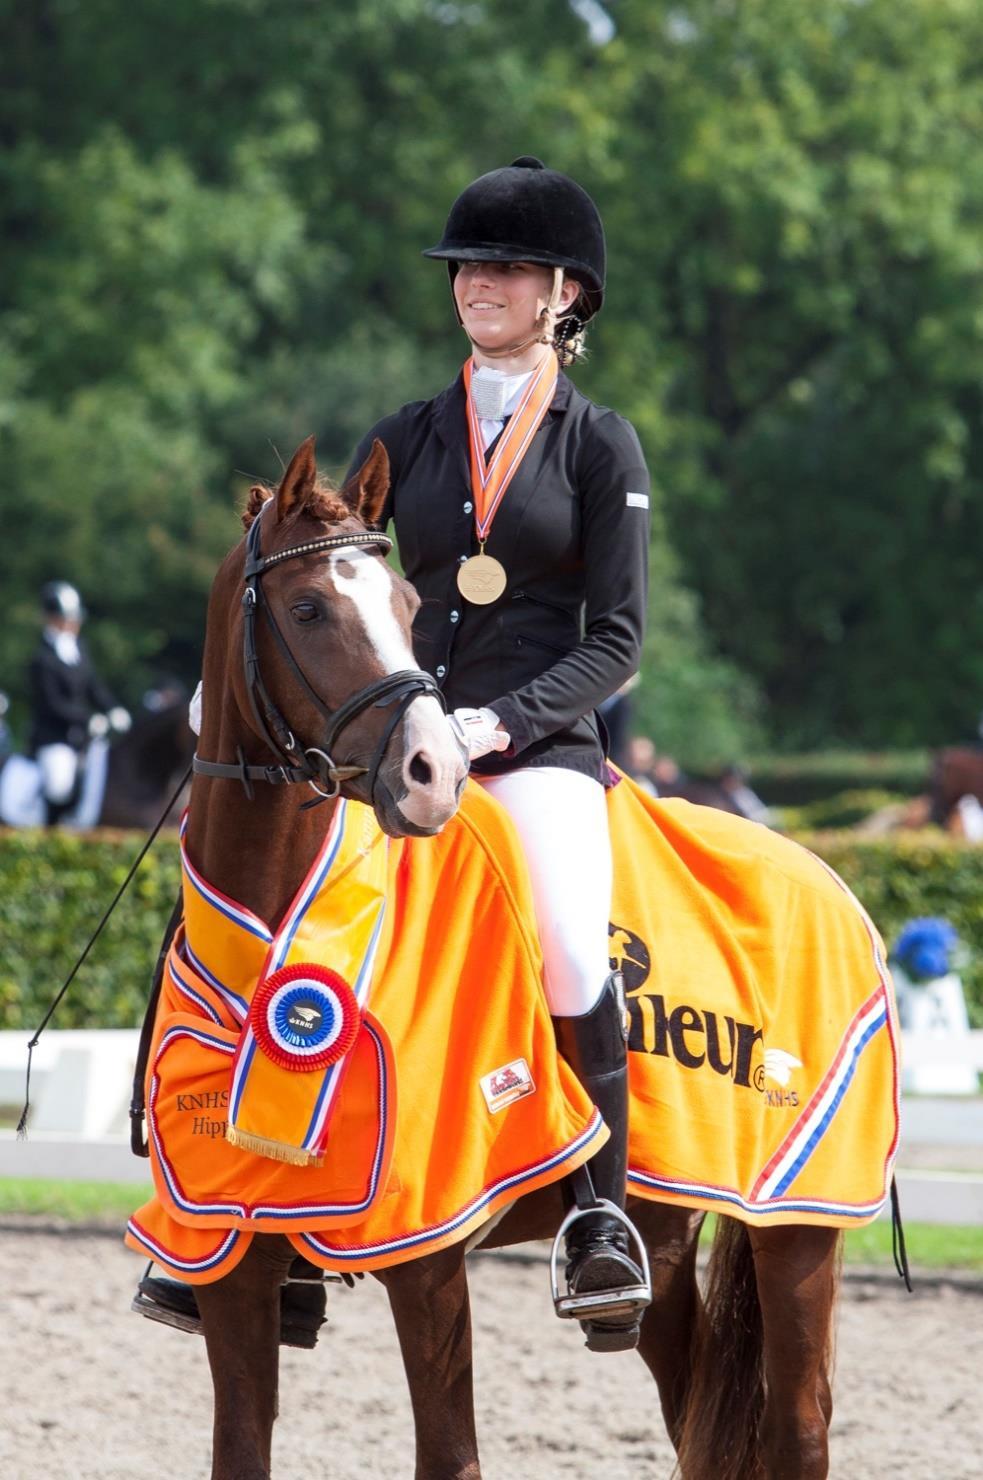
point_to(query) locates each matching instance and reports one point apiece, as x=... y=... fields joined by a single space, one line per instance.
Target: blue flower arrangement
x=926 y=948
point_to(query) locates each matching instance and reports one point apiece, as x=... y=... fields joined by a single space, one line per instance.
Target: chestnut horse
x=742 y=1371
x=957 y=771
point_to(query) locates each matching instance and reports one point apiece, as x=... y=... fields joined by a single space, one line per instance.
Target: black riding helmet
x=527 y=213
x=59 y=599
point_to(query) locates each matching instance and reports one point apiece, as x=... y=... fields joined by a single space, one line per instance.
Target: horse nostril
x=420 y=770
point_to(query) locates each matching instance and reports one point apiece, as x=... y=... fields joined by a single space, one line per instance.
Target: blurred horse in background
x=124 y=784
x=957 y=773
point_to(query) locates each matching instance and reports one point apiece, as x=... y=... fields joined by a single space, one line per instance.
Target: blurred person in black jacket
x=69 y=701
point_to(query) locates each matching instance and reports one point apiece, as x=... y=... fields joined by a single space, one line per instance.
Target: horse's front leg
x=240 y=1315
x=429 y=1300
x=796 y=1271
x=670 y=1324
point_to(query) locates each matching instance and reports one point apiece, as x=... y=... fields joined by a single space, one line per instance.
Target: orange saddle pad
x=762 y=1050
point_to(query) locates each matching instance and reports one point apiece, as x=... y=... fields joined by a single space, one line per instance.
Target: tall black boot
x=598 y=1244
x=55 y=811
x=303 y=1298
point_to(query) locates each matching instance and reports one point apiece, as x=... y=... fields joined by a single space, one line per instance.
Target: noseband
x=312 y=763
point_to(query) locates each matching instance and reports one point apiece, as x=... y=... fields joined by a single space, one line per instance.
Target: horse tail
x=725 y=1399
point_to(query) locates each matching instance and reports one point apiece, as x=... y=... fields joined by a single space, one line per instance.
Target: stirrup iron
x=629 y=1300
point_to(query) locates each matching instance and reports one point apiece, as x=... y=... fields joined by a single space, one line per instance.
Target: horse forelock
x=325 y=503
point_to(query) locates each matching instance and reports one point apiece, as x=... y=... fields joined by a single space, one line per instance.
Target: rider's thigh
x=59 y=764
x=562 y=822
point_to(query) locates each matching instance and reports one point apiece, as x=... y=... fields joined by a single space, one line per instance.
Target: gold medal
x=481 y=579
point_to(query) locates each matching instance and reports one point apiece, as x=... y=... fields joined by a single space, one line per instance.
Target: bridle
x=310 y=763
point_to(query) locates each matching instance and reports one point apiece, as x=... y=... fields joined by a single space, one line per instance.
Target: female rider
x=520 y=512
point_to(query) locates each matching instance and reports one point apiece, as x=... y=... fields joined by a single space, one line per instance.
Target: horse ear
x=365 y=492
x=297 y=483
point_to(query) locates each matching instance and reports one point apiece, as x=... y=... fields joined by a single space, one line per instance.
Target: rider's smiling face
x=500 y=302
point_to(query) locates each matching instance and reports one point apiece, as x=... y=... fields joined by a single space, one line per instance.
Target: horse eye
x=304 y=611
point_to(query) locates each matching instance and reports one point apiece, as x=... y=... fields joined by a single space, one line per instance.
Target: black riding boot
x=598 y=1244
x=302 y=1303
x=55 y=811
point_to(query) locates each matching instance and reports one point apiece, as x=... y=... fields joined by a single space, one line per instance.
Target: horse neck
x=258 y=851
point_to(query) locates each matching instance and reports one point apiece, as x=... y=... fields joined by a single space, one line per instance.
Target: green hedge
x=795 y=780
x=912 y=874
x=55 y=887
x=844 y=809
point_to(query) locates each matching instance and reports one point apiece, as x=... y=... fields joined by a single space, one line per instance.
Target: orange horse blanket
x=763 y=1057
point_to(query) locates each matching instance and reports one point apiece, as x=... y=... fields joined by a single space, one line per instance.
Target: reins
x=22 y=1123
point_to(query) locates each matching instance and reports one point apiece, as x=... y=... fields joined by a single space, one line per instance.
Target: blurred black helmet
x=59 y=599
x=527 y=213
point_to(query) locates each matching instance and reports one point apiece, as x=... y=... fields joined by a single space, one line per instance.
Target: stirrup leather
x=629 y=1300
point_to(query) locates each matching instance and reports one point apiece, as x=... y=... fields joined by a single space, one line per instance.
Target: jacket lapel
x=501 y=540
x=450 y=424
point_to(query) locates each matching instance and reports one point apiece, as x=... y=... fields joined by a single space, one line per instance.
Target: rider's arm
x=51 y=697
x=99 y=696
x=613 y=483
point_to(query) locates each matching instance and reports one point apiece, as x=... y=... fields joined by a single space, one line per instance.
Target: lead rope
x=22 y=1123
x=897 y=1237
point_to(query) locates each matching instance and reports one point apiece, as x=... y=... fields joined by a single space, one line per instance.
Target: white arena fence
x=80 y=1097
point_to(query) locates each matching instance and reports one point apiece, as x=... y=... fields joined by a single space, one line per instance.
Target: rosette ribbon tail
x=275 y=1150
x=303 y=1021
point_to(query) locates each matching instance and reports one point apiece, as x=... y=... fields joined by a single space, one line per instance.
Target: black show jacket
x=64 y=696
x=572 y=534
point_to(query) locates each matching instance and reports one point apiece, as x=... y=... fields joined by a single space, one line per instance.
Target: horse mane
x=325 y=503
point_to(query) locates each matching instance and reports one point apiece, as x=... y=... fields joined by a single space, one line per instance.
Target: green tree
x=211 y=252
x=795 y=193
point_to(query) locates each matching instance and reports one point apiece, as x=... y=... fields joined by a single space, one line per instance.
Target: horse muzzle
x=419 y=790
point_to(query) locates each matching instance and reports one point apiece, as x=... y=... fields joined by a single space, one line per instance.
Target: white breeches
x=59 y=764
x=562 y=821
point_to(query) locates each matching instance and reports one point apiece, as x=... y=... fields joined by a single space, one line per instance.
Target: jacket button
x=441 y=670
x=468 y=507
x=455 y=616
x=463 y=559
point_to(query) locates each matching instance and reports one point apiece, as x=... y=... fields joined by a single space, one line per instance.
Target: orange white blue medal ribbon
x=482 y=579
x=305 y=1012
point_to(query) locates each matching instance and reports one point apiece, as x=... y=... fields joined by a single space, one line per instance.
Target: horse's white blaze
x=370 y=588
x=426 y=733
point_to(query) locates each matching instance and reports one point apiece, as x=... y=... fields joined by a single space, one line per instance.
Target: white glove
x=119 y=719
x=476 y=730
x=194 y=710
x=98 y=726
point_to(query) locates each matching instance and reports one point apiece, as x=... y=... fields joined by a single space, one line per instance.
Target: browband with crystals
x=330 y=542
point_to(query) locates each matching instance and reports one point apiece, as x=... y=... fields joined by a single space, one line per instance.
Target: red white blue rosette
x=304 y=1017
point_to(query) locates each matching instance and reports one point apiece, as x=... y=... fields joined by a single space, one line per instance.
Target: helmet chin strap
x=544 y=334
